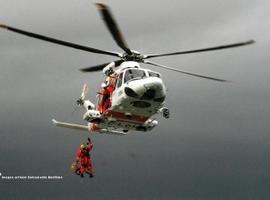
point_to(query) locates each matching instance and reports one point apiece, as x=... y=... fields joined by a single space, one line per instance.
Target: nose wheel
x=165 y=112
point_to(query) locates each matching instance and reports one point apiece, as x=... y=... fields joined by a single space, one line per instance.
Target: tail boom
x=85 y=128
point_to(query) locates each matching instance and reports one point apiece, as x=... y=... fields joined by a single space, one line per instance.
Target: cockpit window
x=153 y=74
x=132 y=74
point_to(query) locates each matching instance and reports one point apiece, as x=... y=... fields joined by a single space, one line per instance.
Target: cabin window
x=119 y=81
x=153 y=74
x=133 y=74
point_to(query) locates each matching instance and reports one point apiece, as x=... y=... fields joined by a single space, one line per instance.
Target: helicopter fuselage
x=138 y=95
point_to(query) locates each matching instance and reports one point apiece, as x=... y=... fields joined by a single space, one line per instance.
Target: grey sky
x=216 y=144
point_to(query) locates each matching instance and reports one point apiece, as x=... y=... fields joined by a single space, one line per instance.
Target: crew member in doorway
x=111 y=76
x=108 y=87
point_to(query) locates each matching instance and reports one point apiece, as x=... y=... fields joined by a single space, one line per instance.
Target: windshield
x=153 y=74
x=134 y=74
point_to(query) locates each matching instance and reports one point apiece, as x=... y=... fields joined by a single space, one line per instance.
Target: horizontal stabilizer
x=69 y=125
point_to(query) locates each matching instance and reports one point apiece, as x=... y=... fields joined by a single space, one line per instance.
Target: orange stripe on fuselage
x=126 y=118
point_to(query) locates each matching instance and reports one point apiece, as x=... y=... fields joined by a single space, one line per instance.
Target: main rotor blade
x=60 y=42
x=202 y=50
x=99 y=67
x=184 y=72
x=113 y=27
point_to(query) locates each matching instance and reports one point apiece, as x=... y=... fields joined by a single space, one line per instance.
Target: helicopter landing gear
x=165 y=112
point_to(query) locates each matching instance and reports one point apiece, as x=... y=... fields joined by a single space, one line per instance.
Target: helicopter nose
x=150 y=89
x=131 y=93
x=149 y=94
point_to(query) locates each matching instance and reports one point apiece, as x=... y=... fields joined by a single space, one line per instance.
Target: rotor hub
x=134 y=56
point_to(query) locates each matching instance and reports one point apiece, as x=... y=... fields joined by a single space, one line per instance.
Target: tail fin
x=84 y=91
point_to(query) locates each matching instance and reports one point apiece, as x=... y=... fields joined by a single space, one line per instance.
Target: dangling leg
x=89 y=169
x=82 y=169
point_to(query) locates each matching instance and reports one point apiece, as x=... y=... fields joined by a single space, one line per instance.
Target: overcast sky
x=216 y=144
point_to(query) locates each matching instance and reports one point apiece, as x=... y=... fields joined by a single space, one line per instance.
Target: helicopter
x=130 y=95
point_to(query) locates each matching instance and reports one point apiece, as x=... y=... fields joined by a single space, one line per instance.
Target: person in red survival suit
x=106 y=93
x=107 y=87
x=83 y=156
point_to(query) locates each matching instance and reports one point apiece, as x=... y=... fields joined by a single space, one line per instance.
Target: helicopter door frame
x=118 y=91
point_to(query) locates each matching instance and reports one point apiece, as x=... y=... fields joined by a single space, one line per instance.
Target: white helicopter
x=130 y=95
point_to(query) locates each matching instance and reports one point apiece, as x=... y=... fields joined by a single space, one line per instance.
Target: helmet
x=83 y=146
x=103 y=85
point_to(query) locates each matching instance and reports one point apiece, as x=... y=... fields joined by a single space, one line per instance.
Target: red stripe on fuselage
x=126 y=118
